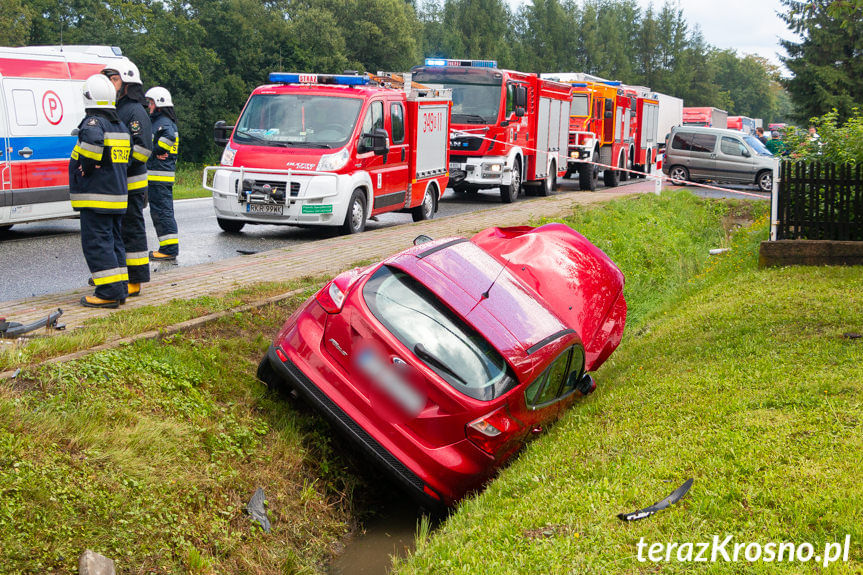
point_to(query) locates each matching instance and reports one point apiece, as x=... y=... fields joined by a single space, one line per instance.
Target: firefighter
x=161 y=168
x=131 y=107
x=97 y=189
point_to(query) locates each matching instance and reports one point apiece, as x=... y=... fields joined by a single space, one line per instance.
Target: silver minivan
x=694 y=154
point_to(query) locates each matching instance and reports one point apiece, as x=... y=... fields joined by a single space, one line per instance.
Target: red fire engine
x=646 y=137
x=314 y=149
x=509 y=128
x=601 y=130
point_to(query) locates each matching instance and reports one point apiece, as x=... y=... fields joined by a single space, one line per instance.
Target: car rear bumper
x=292 y=374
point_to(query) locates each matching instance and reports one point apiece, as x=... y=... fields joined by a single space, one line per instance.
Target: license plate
x=274 y=209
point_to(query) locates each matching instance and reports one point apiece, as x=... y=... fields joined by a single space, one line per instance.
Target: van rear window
x=693 y=142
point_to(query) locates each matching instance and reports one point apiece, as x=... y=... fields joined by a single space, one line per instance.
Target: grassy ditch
x=188 y=184
x=148 y=454
x=737 y=377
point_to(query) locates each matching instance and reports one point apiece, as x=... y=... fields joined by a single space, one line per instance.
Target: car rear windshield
x=298 y=120
x=437 y=335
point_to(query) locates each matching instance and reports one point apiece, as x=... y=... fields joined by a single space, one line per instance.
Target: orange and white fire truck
x=509 y=129
x=646 y=134
x=601 y=129
x=331 y=150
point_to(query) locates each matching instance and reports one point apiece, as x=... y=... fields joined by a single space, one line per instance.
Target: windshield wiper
x=308 y=145
x=424 y=354
x=471 y=118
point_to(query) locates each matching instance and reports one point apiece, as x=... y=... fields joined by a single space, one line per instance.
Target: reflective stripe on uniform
x=156 y=176
x=105 y=201
x=169 y=240
x=166 y=143
x=118 y=139
x=136 y=182
x=110 y=276
x=140 y=153
x=137 y=258
x=91 y=151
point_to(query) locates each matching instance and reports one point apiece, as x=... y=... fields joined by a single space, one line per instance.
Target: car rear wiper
x=424 y=354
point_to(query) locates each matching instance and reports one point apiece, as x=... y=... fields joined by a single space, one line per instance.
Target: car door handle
x=25 y=152
x=403 y=154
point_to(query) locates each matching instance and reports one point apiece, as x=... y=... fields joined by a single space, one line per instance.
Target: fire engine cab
x=40 y=106
x=509 y=128
x=331 y=150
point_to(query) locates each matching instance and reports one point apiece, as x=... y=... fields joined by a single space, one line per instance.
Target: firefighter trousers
x=135 y=238
x=162 y=212
x=102 y=244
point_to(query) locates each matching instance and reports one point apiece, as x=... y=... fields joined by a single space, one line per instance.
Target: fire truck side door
x=395 y=171
x=372 y=163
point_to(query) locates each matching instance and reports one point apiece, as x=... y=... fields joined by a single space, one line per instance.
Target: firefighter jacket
x=165 y=140
x=136 y=118
x=97 y=170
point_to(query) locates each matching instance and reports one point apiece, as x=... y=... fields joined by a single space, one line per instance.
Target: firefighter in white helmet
x=161 y=172
x=97 y=189
x=131 y=107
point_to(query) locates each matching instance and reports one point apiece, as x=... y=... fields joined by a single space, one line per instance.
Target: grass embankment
x=149 y=453
x=188 y=184
x=737 y=377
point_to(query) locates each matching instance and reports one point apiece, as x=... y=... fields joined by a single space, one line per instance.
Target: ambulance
x=331 y=150
x=40 y=106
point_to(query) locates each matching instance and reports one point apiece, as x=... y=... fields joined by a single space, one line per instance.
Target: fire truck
x=331 y=150
x=601 y=129
x=645 y=128
x=509 y=128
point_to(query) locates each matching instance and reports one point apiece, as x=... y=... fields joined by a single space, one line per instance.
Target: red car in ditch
x=442 y=361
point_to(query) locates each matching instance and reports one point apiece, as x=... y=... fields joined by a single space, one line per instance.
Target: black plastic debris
x=852 y=335
x=12 y=329
x=257 y=509
x=247 y=252
x=676 y=495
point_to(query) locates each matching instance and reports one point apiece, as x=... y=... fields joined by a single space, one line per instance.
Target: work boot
x=162 y=257
x=94 y=301
x=134 y=290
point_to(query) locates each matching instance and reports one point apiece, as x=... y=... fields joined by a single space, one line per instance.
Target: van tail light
x=332 y=296
x=491 y=432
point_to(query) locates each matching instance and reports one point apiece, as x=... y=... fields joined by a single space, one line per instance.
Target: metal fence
x=819 y=201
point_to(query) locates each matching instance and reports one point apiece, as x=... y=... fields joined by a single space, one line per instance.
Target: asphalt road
x=43 y=258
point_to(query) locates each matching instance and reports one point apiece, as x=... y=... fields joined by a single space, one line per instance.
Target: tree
x=15 y=19
x=827 y=63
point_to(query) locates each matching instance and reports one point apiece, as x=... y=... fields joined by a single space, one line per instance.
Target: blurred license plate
x=264 y=209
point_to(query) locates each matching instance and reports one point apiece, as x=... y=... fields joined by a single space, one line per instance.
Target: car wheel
x=355 y=218
x=230 y=226
x=765 y=181
x=678 y=175
x=588 y=175
x=508 y=194
x=425 y=211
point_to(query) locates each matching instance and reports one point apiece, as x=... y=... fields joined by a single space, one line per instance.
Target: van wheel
x=355 y=218
x=6 y=227
x=425 y=211
x=588 y=175
x=508 y=194
x=230 y=226
x=678 y=175
x=765 y=181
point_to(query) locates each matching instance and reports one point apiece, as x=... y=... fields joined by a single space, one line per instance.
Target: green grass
x=139 y=320
x=149 y=453
x=737 y=377
x=188 y=184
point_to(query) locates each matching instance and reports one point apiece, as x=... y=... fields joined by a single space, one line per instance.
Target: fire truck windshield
x=476 y=93
x=300 y=120
x=579 y=106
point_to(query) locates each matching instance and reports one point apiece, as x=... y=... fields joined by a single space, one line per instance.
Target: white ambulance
x=40 y=106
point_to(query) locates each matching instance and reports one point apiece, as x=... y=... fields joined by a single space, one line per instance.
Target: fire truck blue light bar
x=287 y=78
x=462 y=63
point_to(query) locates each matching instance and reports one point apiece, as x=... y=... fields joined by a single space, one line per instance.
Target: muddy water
x=390 y=531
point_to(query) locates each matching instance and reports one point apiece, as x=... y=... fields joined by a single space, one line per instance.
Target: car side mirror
x=746 y=154
x=221 y=133
x=520 y=97
x=422 y=239
x=504 y=124
x=585 y=385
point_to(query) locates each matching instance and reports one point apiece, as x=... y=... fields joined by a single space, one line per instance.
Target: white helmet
x=99 y=92
x=126 y=69
x=161 y=96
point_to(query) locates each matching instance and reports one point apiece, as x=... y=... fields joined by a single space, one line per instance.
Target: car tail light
x=491 y=431
x=332 y=296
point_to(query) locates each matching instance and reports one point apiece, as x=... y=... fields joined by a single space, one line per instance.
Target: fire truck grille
x=466 y=144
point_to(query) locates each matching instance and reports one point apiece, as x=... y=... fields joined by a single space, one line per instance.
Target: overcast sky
x=748 y=26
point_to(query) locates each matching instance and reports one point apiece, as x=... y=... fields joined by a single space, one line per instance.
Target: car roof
x=706 y=130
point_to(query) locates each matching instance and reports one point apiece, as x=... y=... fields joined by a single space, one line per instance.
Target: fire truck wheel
x=678 y=175
x=549 y=184
x=355 y=218
x=610 y=177
x=624 y=163
x=425 y=211
x=508 y=194
x=588 y=175
x=230 y=226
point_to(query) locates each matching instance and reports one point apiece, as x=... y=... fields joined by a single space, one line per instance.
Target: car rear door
x=702 y=156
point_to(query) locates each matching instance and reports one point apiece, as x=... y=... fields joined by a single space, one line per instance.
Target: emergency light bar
x=461 y=63
x=344 y=80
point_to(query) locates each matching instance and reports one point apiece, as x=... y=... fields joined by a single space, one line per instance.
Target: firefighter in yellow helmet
x=97 y=189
